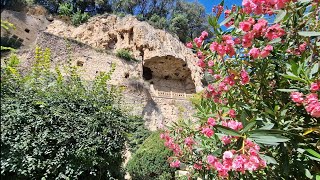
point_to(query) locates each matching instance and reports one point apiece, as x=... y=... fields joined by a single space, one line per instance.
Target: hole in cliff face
x=80 y=63
x=147 y=73
x=169 y=74
x=126 y=75
x=27 y=30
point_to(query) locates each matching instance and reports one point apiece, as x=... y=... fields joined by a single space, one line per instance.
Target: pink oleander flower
x=225 y=140
x=211 y=121
x=201 y=63
x=237 y=41
x=254 y=53
x=207 y=131
x=217 y=76
x=316 y=110
x=247 y=39
x=311 y=98
x=245 y=26
x=221 y=50
x=223 y=86
x=227 y=155
x=198 y=165
x=214 y=46
x=235 y=125
x=198 y=41
x=175 y=164
x=296 y=97
x=244 y=77
x=315 y=87
x=210 y=63
x=212 y=159
x=268 y=48
x=204 y=34
x=302 y=47
x=210 y=87
x=189 y=141
x=264 y=53
x=189 y=45
x=232 y=113
x=274 y=32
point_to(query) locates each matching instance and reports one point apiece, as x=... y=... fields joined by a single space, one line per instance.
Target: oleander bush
x=150 y=160
x=258 y=117
x=60 y=127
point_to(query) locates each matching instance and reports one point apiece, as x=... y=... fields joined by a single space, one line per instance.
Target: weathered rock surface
x=147 y=43
x=156 y=86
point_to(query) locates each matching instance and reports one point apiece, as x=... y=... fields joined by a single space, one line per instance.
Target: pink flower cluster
x=226 y=47
x=169 y=143
x=310 y=101
x=263 y=6
x=232 y=160
x=255 y=52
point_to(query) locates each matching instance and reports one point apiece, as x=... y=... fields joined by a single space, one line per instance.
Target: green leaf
x=314 y=153
x=268 y=159
x=228 y=131
x=275 y=41
x=269 y=137
x=293 y=77
x=248 y=126
x=267 y=127
x=226 y=20
x=280 y=16
x=309 y=33
x=314 y=69
x=304 y=1
x=308 y=174
x=287 y=90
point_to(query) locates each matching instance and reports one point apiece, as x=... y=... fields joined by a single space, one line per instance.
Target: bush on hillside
x=150 y=160
x=60 y=127
x=125 y=54
x=65 y=9
x=79 y=18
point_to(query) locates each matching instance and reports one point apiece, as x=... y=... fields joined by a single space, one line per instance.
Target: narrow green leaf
x=280 y=16
x=226 y=20
x=287 y=90
x=304 y=1
x=309 y=33
x=314 y=69
x=267 y=127
x=248 y=126
x=276 y=40
x=308 y=174
x=268 y=159
x=314 y=153
x=228 y=131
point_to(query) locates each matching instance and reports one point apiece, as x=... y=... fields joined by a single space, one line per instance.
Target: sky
x=210 y=3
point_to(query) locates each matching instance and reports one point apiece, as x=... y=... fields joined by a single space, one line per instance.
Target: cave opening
x=168 y=74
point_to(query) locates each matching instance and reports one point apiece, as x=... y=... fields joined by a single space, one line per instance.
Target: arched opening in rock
x=168 y=74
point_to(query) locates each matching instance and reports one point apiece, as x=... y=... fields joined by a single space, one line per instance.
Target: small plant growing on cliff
x=125 y=54
x=65 y=9
x=79 y=18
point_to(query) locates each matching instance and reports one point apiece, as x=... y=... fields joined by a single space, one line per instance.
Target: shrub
x=150 y=160
x=79 y=18
x=125 y=54
x=59 y=127
x=65 y=9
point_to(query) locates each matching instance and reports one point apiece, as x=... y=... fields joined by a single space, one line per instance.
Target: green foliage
x=125 y=54
x=6 y=25
x=65 y=9
x=79 y=18
x=150 y=160
x=157 y=21
x=60 y=127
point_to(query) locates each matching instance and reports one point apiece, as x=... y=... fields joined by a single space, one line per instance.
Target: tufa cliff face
x=157 y=86
x=159 y=51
